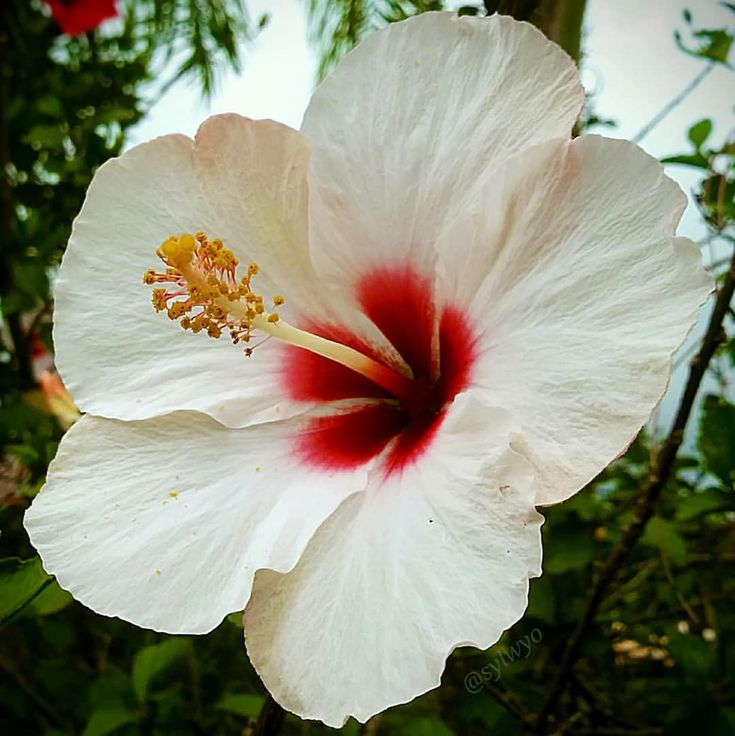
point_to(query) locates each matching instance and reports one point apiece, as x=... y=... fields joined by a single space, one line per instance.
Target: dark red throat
x=440 y=349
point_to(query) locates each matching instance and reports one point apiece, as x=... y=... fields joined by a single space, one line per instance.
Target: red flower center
x=437 y=344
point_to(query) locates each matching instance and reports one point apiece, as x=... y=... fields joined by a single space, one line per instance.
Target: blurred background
x=631 y=628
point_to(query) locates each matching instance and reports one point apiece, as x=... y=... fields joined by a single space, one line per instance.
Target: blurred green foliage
x=660 y=656
x=65 y=104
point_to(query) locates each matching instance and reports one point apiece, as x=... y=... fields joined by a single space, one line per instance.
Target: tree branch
x=509 y=702
x=270 y=718
x=660 y=469
x=559 y=20
x=673 y=103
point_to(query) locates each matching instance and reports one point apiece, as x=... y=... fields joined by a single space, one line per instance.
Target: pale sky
x=631 y=64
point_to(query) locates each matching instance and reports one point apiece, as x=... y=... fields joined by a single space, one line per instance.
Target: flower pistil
x=203 y=293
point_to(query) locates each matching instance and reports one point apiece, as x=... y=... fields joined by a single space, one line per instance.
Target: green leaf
x=152 y=661
x=707 y=502
x=695 y=657
x=569 y=553
x=108 y=720
x=46 y=136
x=717 y=437
x=687 y=159
x=699 y=132
x=541 y=604
x=663 y=534
x=426 y=727
x=20 y=582
x=243 y=705
x=716 y=44
x=51 y=599
x=50 y=105
x=236 y=619
x=729 y=349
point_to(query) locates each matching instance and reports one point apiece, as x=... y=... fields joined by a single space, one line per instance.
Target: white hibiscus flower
x=497 y=304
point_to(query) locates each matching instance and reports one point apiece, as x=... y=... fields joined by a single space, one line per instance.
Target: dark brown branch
x=509 y=702
x=660 y=470
x=270 y=719
x=559 y=20
x=519 y=9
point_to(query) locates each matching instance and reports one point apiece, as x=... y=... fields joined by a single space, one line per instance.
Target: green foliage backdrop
x=631 y=629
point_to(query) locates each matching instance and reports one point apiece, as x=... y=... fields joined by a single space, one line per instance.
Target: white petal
x=412 y=117
x=399 y=576
x=164 y=522
x=588 y=295
x=241 y=180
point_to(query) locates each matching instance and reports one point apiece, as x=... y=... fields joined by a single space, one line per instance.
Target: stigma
x=201 y=290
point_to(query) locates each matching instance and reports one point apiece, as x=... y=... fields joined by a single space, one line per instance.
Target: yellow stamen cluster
x=202 y=290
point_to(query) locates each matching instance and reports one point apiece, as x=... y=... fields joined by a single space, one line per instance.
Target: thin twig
x=623 y=589
x=659 y=614
x=44 y=704
x=673 y=104
x=660 y=470
x=509 y=702
x=270 y=718
x=680 y=597
x=593 y=700
x=567 y=725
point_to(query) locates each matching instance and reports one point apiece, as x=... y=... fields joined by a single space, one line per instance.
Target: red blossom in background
x=79 y=16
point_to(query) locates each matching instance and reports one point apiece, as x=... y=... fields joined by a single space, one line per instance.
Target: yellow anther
x=216 y=312
x=159 y=299
x=203 y=291
x=200 y=288
x=177 y=310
